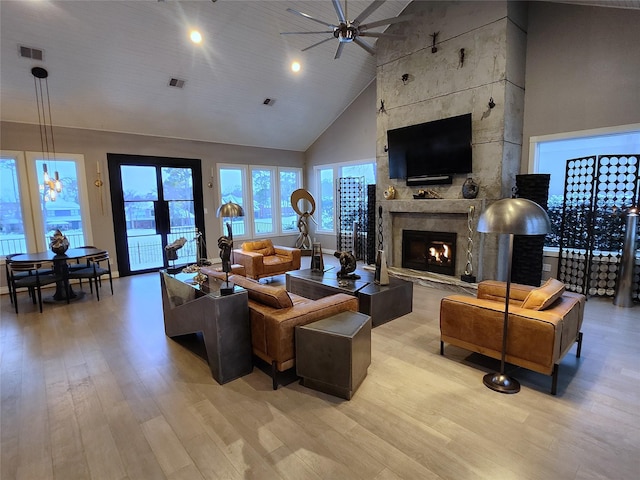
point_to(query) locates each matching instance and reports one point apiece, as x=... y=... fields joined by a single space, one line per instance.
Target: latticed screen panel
x=598 y=190
x=575 y=230
x=352 y=226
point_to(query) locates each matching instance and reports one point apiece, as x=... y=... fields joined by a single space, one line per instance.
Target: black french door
x=155 y=201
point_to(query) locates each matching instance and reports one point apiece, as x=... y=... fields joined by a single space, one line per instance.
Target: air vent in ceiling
x=176 y=82
x=29 y=52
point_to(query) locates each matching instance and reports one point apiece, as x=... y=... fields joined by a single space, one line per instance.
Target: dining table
x=60 y=266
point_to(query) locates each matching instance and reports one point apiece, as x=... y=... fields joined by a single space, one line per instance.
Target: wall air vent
x=29 y=52
x=176 y=82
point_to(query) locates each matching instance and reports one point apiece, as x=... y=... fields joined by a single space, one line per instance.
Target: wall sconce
x=405 y=78
x=434 y=35
x=99 y=183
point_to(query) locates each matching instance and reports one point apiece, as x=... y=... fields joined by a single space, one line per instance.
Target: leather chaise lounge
x=274 y=313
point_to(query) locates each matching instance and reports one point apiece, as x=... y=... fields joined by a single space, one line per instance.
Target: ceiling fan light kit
x=350 y=31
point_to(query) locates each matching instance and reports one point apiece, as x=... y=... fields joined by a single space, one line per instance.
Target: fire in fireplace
x=429 y=251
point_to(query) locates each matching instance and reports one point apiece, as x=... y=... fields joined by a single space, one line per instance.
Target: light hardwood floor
x=96 y=390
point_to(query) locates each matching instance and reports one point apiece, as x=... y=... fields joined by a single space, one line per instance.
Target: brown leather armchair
x=544 y=323
x=262 y=259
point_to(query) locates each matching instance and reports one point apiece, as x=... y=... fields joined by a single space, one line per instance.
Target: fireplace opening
x=429 y=251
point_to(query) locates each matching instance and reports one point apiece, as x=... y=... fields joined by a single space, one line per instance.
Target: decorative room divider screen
x=352 y=225
x=597 y=192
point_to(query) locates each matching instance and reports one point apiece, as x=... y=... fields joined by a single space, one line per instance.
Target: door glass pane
x=12 y=234
x=326 y=199
x=261 y=182
x=289 y=182
x=177 y=188
x=61 y=210
x=232 y=190
x=140 y=191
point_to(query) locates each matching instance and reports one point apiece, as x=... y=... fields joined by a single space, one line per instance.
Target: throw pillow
x=543 y=297
x=264 y=247
x=270 y=296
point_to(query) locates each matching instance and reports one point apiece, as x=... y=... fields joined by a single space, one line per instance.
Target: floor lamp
x=511 y=216
x=230 y=210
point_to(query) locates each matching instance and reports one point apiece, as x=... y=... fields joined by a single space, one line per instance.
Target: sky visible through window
x=553 y=155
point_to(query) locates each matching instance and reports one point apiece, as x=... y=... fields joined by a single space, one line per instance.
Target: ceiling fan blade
x=339 y=12
x=316 y=44
x=306 y=15
x=386 y=21
x=304 y=33
x=382 y=35
x=365 y=45
x=367 y=11
x=339 y=50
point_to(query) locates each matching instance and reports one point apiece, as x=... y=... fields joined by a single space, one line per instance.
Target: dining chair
x=33 y=276
x=7 y=261
x=97 y=266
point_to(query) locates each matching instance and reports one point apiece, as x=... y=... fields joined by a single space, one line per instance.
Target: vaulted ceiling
x=110 y=64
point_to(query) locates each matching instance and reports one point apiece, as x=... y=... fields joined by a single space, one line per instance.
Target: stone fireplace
x=429 y=251
x=440 y=216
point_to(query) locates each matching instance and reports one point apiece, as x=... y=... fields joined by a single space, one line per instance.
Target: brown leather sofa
x=544 y=323
x=274 y=314
x=262 y=259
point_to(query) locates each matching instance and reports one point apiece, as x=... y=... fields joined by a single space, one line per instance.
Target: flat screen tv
x=441 y=147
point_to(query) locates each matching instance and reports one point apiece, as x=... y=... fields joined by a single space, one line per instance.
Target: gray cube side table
x=333 y=354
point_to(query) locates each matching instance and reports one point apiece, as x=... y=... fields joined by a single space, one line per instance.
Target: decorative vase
x=470 y=188
x=390 y=193
x=59 y=243
x=381 y=276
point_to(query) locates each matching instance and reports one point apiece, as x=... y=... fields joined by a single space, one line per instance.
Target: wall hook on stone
x=405 y=78
x=491 y=103
x=461 y=57
x=382 y=109
x=434 y=36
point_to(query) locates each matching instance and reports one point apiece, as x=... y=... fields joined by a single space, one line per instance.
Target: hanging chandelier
x=50 y=187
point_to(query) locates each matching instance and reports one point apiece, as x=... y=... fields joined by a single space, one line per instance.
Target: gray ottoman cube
x=333 y=354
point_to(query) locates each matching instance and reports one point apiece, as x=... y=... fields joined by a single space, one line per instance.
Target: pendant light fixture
x=50 y=186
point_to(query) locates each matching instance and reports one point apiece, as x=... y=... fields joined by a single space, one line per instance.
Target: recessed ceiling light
x=295 y=67
x=195 y=36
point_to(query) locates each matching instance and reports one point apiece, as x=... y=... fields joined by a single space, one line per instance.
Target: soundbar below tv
x=431 y=152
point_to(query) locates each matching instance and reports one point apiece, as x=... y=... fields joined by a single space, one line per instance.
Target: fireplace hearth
x=429 y=251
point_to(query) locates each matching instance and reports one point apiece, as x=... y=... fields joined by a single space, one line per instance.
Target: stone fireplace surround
x=443 y=215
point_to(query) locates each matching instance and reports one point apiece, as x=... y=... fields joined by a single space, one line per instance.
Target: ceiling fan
x=347 y=31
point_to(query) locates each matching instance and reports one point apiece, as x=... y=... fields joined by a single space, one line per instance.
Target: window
x=262 y=189
x=326 y=176
x=269 y=194
x=290 y=180
x=24 y=199
x=549 y=154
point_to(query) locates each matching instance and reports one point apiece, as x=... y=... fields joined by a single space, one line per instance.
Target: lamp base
x=502 y=383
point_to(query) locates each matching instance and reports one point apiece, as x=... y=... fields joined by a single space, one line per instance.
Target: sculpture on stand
x=303 y=242
x=172 y=250
x=225 y=244
x=468 y=269
x=347 y=265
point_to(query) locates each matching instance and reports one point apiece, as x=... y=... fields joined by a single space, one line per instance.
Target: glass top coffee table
x=381 y=302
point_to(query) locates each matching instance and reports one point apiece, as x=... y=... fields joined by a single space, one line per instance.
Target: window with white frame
x=325 y=178
x=29 y=213
x=267 y=190
x=549 y=154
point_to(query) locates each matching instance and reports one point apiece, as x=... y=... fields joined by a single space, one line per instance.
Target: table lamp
x=511 y=216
